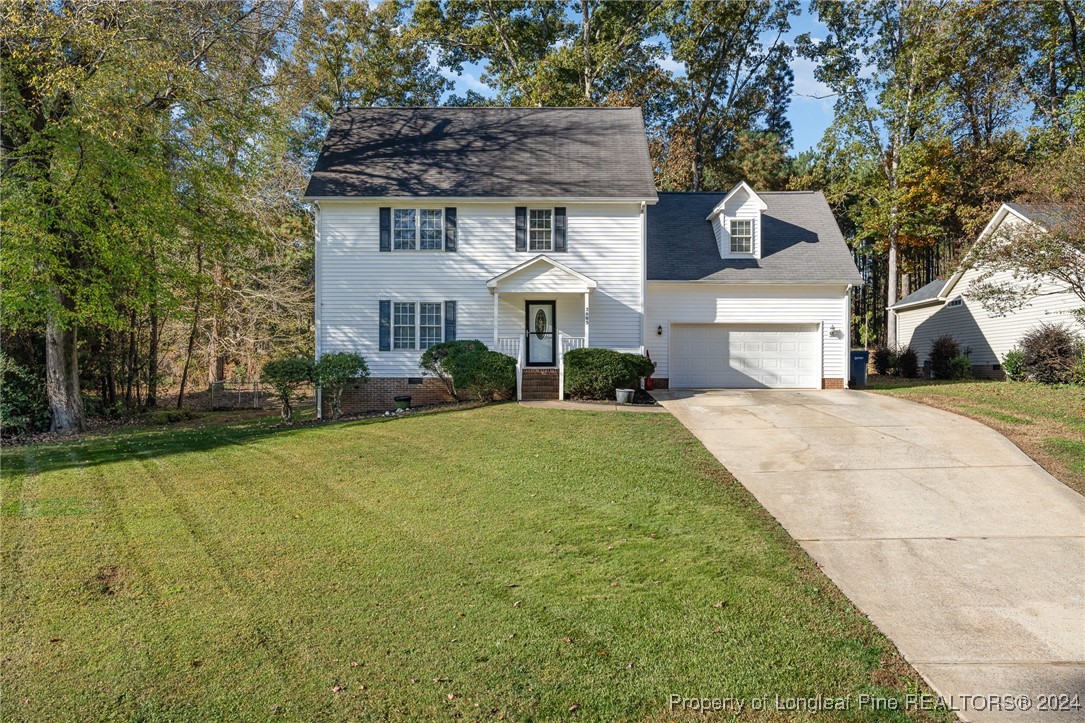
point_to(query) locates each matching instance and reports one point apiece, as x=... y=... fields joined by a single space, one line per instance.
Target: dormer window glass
x=417 y=229
x=540 y=229
x=741 y=236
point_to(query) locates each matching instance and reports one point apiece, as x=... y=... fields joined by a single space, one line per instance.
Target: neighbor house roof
x=581 y=153
x=800 y=242
x=929 y=292
x=1047 y=215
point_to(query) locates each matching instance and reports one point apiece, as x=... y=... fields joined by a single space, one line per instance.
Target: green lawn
x=499 y=562
x=1047 y=422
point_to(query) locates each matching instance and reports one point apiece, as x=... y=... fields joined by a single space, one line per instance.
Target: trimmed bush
x=286 y=375
x=453 y=361
x=490 y=375
x=1051 y=352
x=960 y=367
x=596 y=373
x=24 y=407
x=1013 y=364
x=908 y=363
x=944 y=350
x=337 y=370
x=884 y=360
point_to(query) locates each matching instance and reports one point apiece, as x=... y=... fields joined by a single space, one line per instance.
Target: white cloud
x=669 y=64
x=807 y=88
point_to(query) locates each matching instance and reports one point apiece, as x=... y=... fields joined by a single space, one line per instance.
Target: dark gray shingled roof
x=1047 y=215
x=800 y=242
x=485 y=152
x=923 y=293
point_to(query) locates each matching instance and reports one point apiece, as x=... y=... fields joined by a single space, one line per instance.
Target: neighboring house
x=539 y=230
x=944 y=307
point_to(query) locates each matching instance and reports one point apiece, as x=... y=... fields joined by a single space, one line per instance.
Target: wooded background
x=154 y=153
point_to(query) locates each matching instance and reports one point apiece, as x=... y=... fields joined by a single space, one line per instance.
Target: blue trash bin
x=859 y=360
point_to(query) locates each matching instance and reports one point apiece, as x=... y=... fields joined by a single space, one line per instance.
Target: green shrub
x=453 y=363
x=24 y=408
x=1051 y=352
x=641 y=365
x=960 y=367
x=596 y=373
x=1013 y=364
x=337 y=370
x=286 y=375
x=885 y=360
x=908 y=363
x=490 y=375
x=944 y=350
x=1077 y=374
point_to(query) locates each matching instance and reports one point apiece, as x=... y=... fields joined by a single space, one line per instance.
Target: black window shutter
x=521 y=228
x=386 y=325
x=450 y=321
x=450 y=229
x=386 y=229
x=559 y=229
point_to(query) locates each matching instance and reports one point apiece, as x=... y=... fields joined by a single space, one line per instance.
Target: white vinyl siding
x=748 y=304
x=603 y=241
x=988 y=337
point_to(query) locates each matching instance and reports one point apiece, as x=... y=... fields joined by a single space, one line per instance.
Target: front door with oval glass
x=541 y=337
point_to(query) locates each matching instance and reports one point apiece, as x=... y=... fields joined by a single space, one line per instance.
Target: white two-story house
x=539 y=230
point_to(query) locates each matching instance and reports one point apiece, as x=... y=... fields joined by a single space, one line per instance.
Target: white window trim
x=731 y=236
x=529 y=229
x=418 y=230
x=417 y=325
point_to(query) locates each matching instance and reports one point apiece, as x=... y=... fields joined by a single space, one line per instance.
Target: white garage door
x=745 y=356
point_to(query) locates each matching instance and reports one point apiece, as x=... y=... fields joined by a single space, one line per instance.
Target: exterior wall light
x=659 y=330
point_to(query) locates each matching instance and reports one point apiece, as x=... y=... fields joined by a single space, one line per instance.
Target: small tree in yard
x=335 y=371
x=452 y=362
x=286 y=375
x=944 y=350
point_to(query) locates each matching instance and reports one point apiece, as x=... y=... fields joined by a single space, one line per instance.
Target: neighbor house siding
x=604 y=243
x=702 y=303
x=989 y=337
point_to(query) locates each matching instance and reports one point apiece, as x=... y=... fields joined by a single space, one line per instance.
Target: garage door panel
x=745 y=356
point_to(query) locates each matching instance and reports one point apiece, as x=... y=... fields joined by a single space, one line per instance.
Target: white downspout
x=317 y=330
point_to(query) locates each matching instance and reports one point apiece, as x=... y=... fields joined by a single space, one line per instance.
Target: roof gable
x=741 y=188
x=567 y=153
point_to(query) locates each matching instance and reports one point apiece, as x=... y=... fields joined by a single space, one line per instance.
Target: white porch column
x=587 y=338
x=496 y=302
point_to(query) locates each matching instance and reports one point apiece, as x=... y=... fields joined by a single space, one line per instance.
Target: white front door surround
x=745 y=356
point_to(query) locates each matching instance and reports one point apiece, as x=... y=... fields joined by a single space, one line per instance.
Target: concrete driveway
x=968 y=555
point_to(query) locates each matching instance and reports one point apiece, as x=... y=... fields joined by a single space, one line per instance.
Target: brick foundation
x=832 y=383
x=988 y=371
x=379 y=393
x=660 y=383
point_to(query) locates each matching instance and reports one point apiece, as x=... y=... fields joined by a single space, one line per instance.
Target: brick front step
x=539 y=385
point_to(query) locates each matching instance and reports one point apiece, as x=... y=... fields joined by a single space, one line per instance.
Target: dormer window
x=741 y=236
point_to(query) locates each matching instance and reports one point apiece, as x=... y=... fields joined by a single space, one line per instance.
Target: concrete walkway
x=968 y=555
x=593 y=406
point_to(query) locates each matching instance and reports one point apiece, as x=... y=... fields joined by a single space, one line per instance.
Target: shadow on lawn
x=147 y=444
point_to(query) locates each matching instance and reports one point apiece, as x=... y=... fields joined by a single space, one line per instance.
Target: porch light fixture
x=659 y=330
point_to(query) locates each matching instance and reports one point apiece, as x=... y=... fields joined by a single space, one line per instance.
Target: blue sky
x=809 y=116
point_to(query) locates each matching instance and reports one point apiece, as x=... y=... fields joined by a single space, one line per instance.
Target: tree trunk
x=192 y=331
x=216 y=361
x=891 y=296
x=152 y=361
x=62 y=372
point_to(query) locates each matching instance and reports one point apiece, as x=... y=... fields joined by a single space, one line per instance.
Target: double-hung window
x=403 y=326
x=418 y=229
x=540 y=229
x=417 y=325
x=741 y=236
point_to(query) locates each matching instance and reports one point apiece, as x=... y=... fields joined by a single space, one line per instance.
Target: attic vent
x=956 y=302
